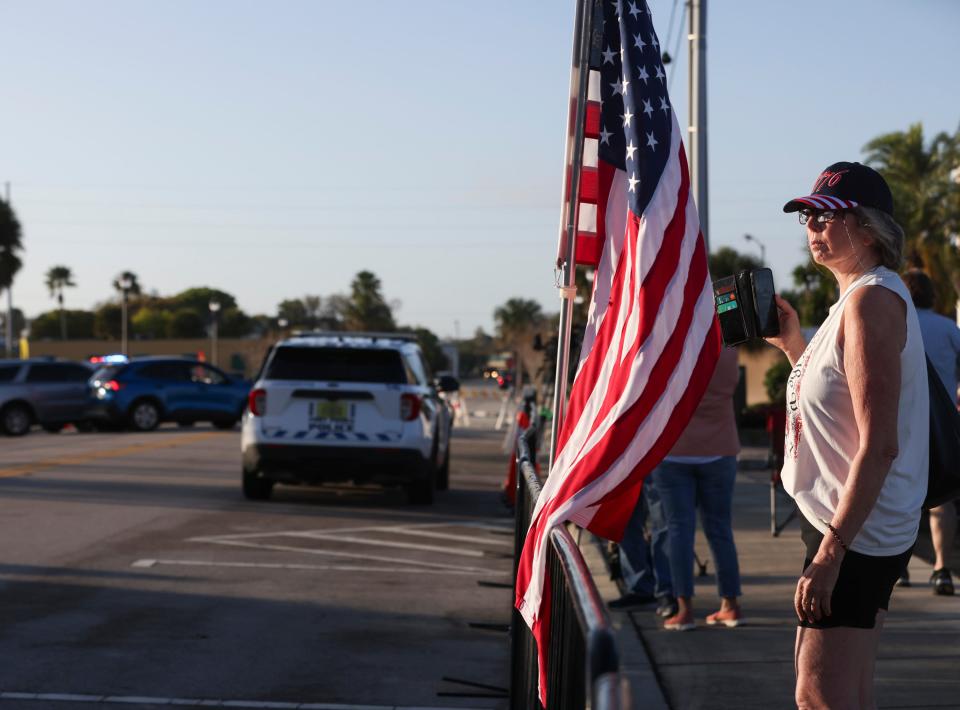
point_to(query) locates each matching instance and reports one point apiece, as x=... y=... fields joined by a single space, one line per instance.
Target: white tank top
x=822 y=437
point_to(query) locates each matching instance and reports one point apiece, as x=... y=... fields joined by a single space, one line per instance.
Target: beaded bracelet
x=837 y=537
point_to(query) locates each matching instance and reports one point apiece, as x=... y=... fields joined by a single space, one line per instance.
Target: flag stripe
x=646 y=309
x=599 y=362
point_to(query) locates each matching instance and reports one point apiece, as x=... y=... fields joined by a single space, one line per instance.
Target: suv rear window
x=8 y=372
x=337 y=365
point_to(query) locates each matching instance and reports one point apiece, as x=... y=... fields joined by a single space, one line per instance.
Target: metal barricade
x=582 y=661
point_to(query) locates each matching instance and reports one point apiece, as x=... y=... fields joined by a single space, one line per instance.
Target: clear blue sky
x=274 y=149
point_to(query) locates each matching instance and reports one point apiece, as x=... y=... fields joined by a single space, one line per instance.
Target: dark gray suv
x=51 y=393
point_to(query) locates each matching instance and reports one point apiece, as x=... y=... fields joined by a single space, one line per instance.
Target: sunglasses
x=819 y=217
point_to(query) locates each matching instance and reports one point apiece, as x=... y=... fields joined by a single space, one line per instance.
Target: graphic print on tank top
x=794 y=429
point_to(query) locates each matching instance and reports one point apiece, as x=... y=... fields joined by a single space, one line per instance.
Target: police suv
x=347 y=406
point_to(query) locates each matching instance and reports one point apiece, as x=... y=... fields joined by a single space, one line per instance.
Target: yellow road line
x=78 y=459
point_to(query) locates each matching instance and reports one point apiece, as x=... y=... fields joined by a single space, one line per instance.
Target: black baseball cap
x=844 y=185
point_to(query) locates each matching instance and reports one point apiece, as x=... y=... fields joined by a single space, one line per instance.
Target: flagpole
x=573 y=160
x=698 y=113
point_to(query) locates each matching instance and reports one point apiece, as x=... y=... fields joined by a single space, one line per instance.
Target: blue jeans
x=683 y=488
x=646 y=568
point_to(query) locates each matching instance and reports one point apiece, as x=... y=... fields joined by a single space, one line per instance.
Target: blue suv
x=146 y=391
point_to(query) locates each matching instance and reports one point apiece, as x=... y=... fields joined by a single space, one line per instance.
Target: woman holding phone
x=856 y=436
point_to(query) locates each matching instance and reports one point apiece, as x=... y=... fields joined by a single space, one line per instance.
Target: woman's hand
x=790 y=339
x=812 y=598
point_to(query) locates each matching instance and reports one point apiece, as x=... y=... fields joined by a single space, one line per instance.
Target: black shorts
x=863 y=587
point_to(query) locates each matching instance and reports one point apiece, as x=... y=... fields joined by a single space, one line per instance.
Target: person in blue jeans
x=644 y=565
x=699 y=473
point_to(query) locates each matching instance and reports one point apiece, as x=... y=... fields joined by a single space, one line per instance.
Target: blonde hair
x=887 y=235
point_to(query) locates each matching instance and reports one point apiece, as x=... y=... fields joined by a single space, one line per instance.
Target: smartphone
x=747 y=306
x=729 y=311
x=768 y=317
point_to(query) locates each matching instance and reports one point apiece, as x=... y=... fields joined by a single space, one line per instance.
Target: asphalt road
x=134 y=574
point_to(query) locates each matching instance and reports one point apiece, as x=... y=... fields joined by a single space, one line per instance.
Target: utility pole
x=698 y=112
x=9 y=332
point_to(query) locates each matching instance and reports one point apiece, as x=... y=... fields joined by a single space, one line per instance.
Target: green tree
x=727 y=261
x=294 y=312
x=57 y=279
x=926 y=197
x=234 y=323
x=151 y=322
x=366 y=308
x=816 y=292
x=106 y=321
x=518 y=321
x=199 y=299
x=186 y=323
x=49 y=325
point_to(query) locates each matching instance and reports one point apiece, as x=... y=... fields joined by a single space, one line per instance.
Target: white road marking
x=448 y=536
x=463 y=552
x=351 y=555
x=258 y=541
x=147 y=563
x=203 y=703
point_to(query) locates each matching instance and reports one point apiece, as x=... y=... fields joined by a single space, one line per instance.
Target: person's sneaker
x=632 y=599
x=904 y=580
x=729 y=618
x=680 y=622
x=942 y=582
x=667 y=607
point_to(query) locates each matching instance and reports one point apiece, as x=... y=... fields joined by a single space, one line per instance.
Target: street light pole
x=125 y=285
x=214 y=310
x=763 y=249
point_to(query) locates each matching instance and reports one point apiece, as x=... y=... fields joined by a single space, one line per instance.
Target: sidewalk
x=752 y=666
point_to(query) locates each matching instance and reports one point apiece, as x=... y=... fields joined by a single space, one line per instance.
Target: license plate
x=330 y=410
x=332 y=416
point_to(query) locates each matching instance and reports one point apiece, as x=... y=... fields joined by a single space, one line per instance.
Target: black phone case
x=730 y=309
x=741 y=324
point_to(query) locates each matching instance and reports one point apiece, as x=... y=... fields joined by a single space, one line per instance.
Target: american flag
x=652 y=339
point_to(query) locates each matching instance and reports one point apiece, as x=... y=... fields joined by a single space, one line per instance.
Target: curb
x=636 y=666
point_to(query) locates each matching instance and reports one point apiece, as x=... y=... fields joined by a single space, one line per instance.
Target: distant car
x=144 y=392
x=44 y=391
x=350 y=406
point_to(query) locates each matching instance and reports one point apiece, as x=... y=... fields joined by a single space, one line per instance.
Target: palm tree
x=10 y=244
x=129 y=279
x=926 y=201
x=517 y=319
x=366 y=308
x=59 y=278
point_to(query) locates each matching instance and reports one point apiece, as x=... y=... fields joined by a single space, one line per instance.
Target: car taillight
x=258 y=402
x=409 y=407
x=112 y=385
